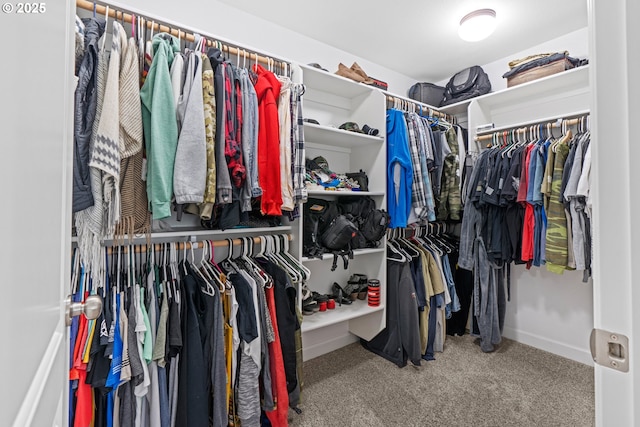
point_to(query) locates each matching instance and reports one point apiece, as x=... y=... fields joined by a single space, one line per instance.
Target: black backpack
x=374 y=226
x=316 y=217
x=468 y=83
x=357 y=207
x=371 y=222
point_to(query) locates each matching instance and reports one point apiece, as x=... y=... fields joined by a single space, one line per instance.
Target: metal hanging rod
x=159 y=25
x=143 y=248
x=417 y=106
x=555 y=122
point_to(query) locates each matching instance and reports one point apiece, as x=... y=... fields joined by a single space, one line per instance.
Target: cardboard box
x=538 y=72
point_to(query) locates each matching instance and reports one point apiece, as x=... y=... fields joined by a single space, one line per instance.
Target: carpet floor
x=516 y=385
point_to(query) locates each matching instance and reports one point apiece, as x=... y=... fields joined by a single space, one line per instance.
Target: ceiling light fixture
x=477 y=25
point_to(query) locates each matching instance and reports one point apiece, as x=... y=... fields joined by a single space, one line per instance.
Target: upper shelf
x=338 y=137
x=457 y=108
x=576 y=78
x=333 y=83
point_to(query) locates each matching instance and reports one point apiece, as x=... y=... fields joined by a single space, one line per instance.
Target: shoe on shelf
x=344 y=71
x=309 y=306
x=339 y=294
x=359 y=71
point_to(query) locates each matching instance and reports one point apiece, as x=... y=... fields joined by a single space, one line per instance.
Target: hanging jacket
x=268 y=88
x=160 y=126
x=190 y=168
x=209 y=102
x=450 y=204
x=223 y=181
x=85 y=109
x=398 y=189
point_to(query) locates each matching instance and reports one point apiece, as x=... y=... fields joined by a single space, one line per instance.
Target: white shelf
x=344 y=193
x=457 y=108
x=328 y=135
x=333 y=100
x=342 y=313
x=574 y=79
x=356 y=252
x=333 y=83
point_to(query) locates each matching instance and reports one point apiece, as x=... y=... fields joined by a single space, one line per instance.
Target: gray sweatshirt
x=190 y=167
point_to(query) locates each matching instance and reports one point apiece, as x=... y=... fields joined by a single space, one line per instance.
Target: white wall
x=576 y=43
x=551 y=312
x=228 y=23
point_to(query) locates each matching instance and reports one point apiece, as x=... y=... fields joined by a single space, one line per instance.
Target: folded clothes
x=539 y=62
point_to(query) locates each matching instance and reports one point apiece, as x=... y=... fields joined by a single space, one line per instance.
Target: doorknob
x=91 y=308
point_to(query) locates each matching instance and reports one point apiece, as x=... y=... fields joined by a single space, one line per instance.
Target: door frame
x=615 y=107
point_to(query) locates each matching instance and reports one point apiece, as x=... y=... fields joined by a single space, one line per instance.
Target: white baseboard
x=315 y=350
x=581 y=355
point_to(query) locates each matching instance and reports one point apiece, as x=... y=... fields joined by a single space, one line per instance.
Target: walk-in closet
x=238 y=213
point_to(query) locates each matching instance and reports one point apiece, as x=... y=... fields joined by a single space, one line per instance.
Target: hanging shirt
x=557 y=243
x=399 y=169
x=284 y=115
x=267 y=89
x=418 y=193
x=160 y=126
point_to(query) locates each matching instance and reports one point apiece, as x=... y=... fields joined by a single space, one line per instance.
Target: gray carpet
x=517 y=385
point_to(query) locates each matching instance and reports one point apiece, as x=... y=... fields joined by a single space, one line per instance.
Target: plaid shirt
x=418 y=196
x=424 y=142
x=297 y=144
x=233 y=118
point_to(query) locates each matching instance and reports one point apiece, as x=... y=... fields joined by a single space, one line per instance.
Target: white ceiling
x=419 y=38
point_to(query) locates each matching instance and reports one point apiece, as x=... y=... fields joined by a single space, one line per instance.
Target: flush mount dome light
x=477 y=25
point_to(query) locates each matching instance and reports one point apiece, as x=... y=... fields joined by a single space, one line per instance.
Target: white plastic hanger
x=392 y=246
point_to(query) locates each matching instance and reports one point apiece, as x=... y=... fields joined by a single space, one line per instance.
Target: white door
x=615 y=61
x=36 y=90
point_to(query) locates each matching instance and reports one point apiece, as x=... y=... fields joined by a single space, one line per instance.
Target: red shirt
x=267 y=89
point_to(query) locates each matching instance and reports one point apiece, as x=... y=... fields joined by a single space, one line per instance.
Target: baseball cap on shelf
x=318 y=66
x=351 y=126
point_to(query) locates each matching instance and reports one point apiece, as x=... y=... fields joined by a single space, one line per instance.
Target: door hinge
x=610 y=349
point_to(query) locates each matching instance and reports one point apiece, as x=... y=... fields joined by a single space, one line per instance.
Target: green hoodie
x=160 y=125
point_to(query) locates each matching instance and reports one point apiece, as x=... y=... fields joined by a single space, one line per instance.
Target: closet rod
x=138 y=248
x=432 y=111
x=119 y=13
x=557 y=121
x=432 y=228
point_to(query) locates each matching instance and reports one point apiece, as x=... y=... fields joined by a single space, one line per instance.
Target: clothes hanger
x=216 y=272
x=261 y=276
x=208 y=289
x=400 y=256
x=396 y=242
x=306 y=273
x=228 y=263
x=282 y=255
x=408 y=247
x=106 y=25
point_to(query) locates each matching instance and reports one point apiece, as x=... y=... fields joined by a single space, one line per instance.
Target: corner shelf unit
x=556 y=95
x=333 y=100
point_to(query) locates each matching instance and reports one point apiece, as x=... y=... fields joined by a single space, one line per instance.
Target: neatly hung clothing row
x=185 y=342
x=527 y=201
x=423 y=161
x=421 y=297
x=156 y=127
